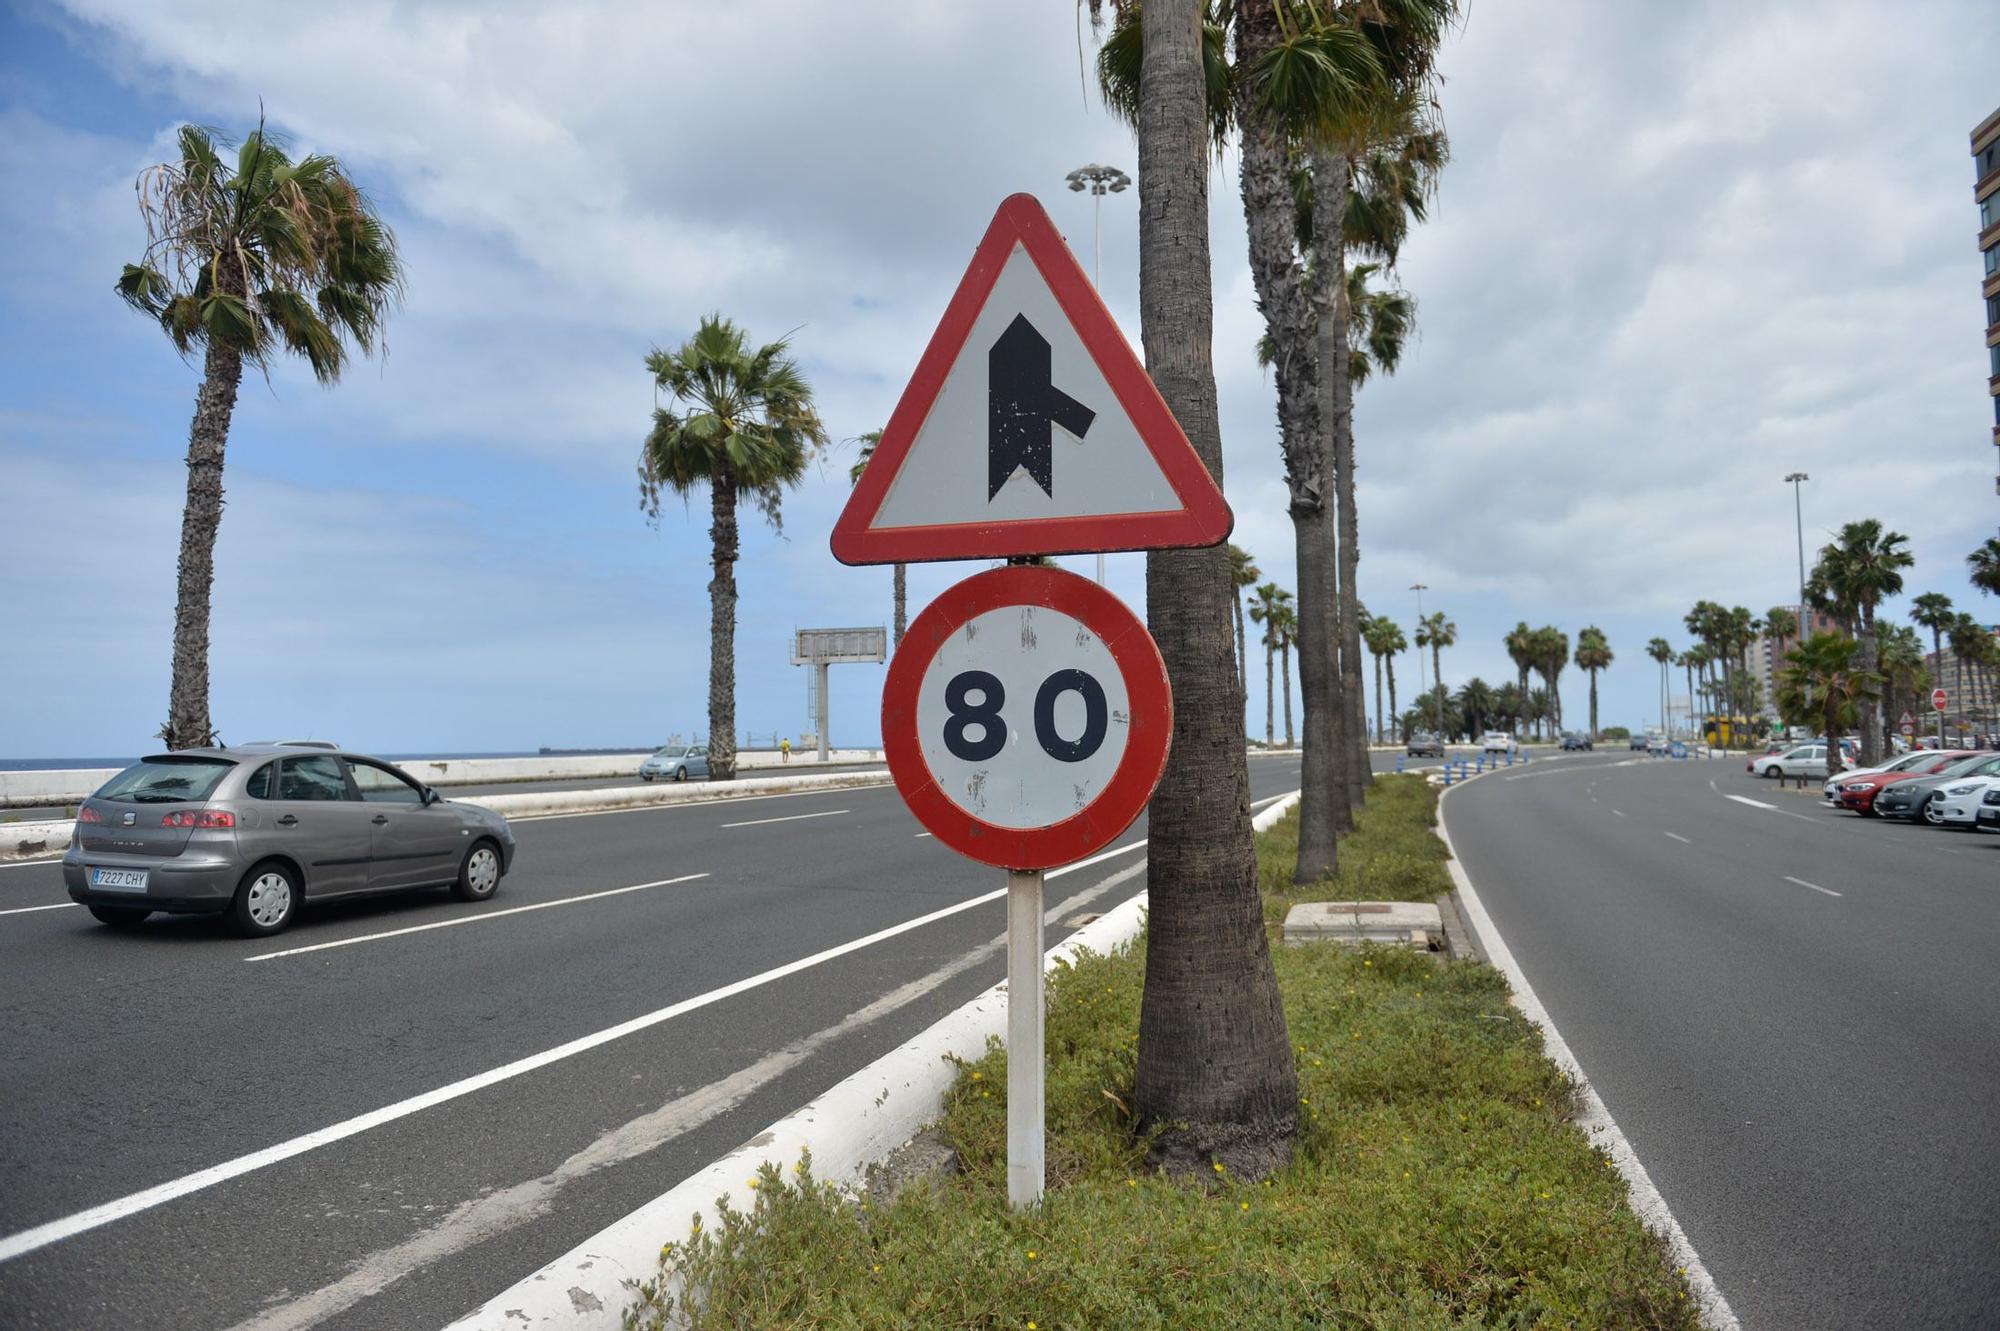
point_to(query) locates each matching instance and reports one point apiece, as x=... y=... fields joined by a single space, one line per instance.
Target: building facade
x=1986 y=195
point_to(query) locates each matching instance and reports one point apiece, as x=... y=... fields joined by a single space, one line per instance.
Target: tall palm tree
x=1662 y=654
x=1551 y=655
x=1285 y=625
x=1686 y=661
x=1541 y=708
x=740 y=420
x=1969 y=639
x=1863 y=567
x=243 y=261
x=1385 y=639
x=901 y=586
x=1272 y=602
x=1905 y=678
x=1593 y=653
x=1437 y=633
x=1780 y=622
x=1933 y=611
x=1243 y=575
x=1521 y=651
x=1475 y=703
x=1215 y=1082
x=1985 y=565
x=1824 y=685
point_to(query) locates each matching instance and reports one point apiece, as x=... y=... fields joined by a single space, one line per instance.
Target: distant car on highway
x=1423 y=744
x=1656 y=741
x=253 y=831
x=1497 y=741
x=1576 y=739
x=1804 y=760
x=676 y=762
x=1918 y=797
x=1638 y=743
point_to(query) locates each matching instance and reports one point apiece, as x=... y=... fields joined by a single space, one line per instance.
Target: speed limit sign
x=1026 y=717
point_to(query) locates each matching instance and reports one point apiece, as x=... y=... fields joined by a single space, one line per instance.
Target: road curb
x=1598 y=1126
x=861 y=1121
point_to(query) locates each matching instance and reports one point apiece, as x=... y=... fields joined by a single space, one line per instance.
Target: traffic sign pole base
x=1024 y=1040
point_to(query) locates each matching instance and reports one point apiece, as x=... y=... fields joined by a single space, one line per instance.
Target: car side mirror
x=431 y=797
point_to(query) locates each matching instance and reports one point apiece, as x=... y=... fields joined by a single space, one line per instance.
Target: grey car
x=255 y=830
x=1422 y=743
x=676 y=762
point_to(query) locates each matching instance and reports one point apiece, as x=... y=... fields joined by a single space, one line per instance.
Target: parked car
x=1989 y=810
x=676 y=762
x=1638 y=743
x=1497 y=741
x=1803 y=760
x=1957 y=805
x=1576 y=739
x=1916 y=798
x=1424 y=744
x=1921 y=763
x=254 y=831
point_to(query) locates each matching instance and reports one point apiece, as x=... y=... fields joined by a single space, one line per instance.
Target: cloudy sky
x=1681 y=251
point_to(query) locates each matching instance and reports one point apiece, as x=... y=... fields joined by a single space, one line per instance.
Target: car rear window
x=166 y=780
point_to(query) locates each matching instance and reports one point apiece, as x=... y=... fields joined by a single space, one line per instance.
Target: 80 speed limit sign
x=1026 y=717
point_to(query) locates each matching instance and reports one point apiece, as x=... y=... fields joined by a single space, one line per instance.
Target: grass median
x=1437 y=1181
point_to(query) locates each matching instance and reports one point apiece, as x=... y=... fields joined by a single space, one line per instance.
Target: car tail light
x=206 y=818
x=88 y=815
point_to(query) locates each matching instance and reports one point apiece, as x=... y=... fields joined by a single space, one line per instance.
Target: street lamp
x=1420 y=588
x=1099 y=180
x=1794 y=480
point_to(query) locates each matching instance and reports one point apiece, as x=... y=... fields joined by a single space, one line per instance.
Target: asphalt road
x=1794 y=1015
x=133 y=1062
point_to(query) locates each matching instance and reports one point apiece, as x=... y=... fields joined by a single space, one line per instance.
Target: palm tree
x=1861 y=568
x=1385 y=639
x=1985 y=565
x=740 y=420
x=1662 y=654
x=1905 y=678
x=1521 y=651
x=1551 y=655
x=1285 y=625
x=1475 y=703
x=1593 y=653
x=1686 y=661
x=1933 y=611
x=1437 y=633
x=1243 y=574
x=1969 y=639
x=1272 y=603
x=1215 y=1082
x=868 y=443
x=242 y=262
x=1541 y=709
x=1825 y=686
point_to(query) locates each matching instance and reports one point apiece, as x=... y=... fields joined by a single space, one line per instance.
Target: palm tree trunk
x=1242 y=650
x=1871 y=713
x=1389 y=662
x=1215 y=1080
x=1593 y=706
x=1270 y=694
x=188 y=722
x=722 y=627
x=902 y=602
x=1524 y=702
x=1285 y=660
x=1378 y=700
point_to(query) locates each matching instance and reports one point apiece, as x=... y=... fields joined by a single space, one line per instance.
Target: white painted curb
x=856 y=1124
x=26 y=840
x=1598 y=1126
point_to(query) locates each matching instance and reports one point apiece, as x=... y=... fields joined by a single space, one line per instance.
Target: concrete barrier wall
x=67 y=786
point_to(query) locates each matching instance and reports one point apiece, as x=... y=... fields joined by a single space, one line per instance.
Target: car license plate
x=119 y=880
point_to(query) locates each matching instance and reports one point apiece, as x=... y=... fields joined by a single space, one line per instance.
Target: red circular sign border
x=1150 y=735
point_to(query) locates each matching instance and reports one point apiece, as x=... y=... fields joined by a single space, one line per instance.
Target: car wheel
x=647 y=777
x=120 y=917
x=1775 y=772
x=265 y=901
x=1932 y=814
x=479 y=875
x=680 y=774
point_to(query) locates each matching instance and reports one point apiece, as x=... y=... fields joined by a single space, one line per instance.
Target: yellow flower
x=1131 y=1183
x=1545 y=1196
x=1218 y=1166
x=1031 y=1326
x=1368 y=963
x=976 y=1074
x=878 y=1270
x=1244 y=1205
x=1031 y=1254
x=752 y=1185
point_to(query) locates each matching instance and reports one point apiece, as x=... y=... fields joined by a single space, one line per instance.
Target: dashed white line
x=793 y=818
x=1814 y=886
x=23 y=910
x=1745 y=799
x=1619 y=812
x=1678 y=837
x=921 y=835
x=30 y=864
x=474 y=919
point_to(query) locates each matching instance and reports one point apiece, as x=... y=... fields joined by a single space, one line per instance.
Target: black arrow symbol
x=1021 y=404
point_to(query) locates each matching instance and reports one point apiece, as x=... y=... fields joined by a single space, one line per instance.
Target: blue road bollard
x=1510 y=757
x=1399 y=764
x=1447 y=774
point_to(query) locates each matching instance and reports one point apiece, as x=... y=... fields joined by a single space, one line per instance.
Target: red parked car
x=1859 y=793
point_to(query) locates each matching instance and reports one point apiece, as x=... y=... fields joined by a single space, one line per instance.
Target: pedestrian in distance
x=785 y=748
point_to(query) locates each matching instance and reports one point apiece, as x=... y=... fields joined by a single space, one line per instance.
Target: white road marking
x=23 y=910
x=1678 y=837
x=704 y=803
x=30 y=864
x=1814 y=886
x=792 y=818
x=473 y=919
x=1745 y=799
x=920 y=836
x=1619 y=812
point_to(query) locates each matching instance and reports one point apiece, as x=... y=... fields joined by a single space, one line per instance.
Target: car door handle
x=289 y=820
x=379 y=819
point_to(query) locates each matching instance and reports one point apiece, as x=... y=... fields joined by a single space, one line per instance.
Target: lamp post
x=1794 y=480
x=1099 y=180
x=1422 y=690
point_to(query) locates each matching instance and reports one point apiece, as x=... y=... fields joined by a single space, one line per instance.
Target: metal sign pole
x=820 y=667
x=1024 y=1039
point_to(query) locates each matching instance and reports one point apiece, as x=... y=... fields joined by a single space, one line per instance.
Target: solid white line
x=1745 y=799
x=23 y=910
x=1678 y=837
x=1593 y=1117
x=790 y=818
x=707 y=803
x=30 y=864
x=474 y=919
x=1814 y=886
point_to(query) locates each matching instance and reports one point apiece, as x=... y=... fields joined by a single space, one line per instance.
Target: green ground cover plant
x=1437 y=1182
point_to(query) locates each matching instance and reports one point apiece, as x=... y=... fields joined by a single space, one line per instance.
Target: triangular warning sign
x=1029 y=427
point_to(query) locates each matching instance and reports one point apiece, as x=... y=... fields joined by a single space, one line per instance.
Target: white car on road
x=1497 y=741
x=1806 y=760
x=1957 y=805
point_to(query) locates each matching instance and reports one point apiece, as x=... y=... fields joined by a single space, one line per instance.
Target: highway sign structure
x=1938 y=700
x=820 y=648
x=1029 y=426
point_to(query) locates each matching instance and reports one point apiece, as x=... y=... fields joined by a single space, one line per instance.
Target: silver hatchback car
x=256 y=829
